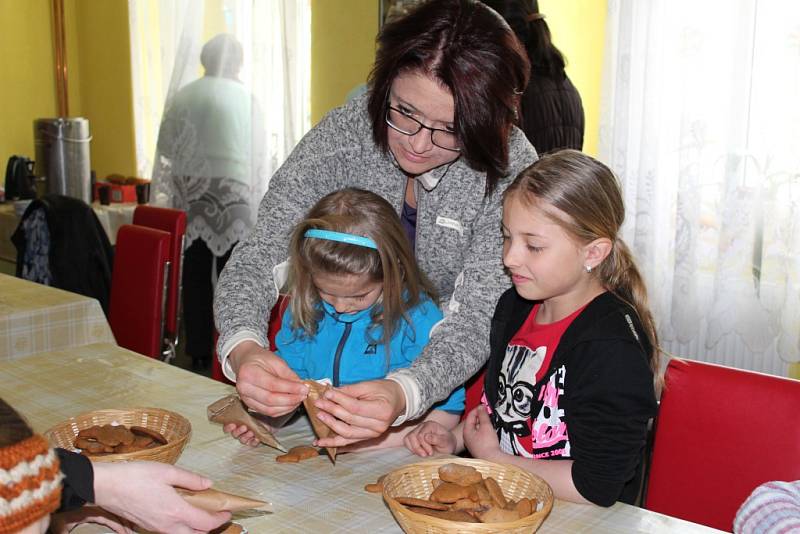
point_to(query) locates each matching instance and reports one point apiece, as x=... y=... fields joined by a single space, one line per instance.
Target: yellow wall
x=105 y=83
x=99 y=78
x=26 y=59
x=342 y=50
x=578 y=30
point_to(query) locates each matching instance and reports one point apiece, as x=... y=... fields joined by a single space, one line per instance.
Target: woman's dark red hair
x=472 y=52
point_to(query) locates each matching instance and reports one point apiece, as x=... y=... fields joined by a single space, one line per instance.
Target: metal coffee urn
x=63 y=163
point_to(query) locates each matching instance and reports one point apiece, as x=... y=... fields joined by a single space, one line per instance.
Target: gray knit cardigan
x=458 y=245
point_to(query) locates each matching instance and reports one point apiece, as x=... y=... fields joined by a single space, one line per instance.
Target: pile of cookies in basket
x=116 y=439
x=462 y=493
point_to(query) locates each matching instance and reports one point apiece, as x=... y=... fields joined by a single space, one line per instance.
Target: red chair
x=721 y=432
x=174 y=222
x=138 y=289
x=474 y=391
x=275 y=319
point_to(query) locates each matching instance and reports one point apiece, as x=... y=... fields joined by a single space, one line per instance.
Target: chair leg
x=168 y=353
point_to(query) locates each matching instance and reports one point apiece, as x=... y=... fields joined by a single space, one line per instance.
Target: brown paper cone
x=230 y=409
x=315 y=391
x=213 y=501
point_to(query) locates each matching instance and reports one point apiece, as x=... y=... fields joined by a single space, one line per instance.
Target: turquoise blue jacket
x=342 y=352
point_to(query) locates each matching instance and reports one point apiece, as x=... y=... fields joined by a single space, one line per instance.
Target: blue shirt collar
x=345 y=317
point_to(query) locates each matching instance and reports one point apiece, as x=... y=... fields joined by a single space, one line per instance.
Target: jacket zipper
x=337 y=360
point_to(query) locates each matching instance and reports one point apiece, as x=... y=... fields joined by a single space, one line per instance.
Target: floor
x=183 y=361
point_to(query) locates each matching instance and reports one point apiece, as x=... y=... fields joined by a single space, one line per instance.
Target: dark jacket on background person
x=79 y=252
x=552 y=114
x=605 y=394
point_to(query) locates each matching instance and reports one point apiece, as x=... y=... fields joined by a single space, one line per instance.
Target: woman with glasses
x=435 y=136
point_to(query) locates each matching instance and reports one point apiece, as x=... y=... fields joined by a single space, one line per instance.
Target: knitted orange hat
x=30 y=483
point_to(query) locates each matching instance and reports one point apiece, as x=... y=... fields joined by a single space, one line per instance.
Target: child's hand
x=480 y=436
x=430 y=438
x=242 y=433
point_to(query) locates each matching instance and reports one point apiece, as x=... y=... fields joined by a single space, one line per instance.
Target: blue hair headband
x=350 y=239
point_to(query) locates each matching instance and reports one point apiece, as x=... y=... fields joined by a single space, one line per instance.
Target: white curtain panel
x=700 y=119
x=166 y=40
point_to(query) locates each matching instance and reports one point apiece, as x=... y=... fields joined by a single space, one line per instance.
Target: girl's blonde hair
x=589 y=193
x=362 y=213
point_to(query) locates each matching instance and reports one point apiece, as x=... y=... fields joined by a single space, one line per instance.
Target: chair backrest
x=173 y=222
x=721 y=432
x=141 y=267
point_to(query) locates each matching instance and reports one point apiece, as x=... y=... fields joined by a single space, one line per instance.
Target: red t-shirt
x=526 y=362
x=526 y=336
x=540 y=340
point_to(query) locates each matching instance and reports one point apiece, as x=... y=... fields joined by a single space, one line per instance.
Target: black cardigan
x=608 y=395
x=80 y=253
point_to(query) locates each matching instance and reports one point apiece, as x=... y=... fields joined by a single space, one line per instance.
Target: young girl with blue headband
x=360 y=306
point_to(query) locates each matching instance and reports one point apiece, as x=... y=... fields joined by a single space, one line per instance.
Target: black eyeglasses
x=408 y=125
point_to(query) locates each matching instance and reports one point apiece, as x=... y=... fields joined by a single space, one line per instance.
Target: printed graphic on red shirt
x=527 y=415
x=521 y=432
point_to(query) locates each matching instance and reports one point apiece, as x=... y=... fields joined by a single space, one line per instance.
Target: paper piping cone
x=212 y=500
x=230 y=409
x=315 y=391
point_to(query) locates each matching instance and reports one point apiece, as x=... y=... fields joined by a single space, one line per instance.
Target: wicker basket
x=415 y=480
x=174 y=427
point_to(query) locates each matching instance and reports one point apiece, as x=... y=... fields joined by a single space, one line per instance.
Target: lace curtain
x=700 y=118
x=272 y=107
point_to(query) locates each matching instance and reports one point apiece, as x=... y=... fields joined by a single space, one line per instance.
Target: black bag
x=20 y=181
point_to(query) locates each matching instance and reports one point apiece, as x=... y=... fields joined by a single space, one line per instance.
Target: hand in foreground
x=143 y=493
x=264 y=382
x=242 y=433
x=431 y=438
x=360 y=411
x=480 y=437
x=65 y=522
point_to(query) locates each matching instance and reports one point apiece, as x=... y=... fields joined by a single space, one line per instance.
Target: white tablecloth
x=36 y=318
x=313 y=496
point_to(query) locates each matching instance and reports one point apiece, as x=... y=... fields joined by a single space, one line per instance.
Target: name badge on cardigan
x=450 y=223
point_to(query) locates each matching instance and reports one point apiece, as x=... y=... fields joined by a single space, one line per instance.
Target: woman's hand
x=264 y=382
x=431 y=438
x=144 y=493
x=360 y=411
x=242 y=433
x=480 y=436
x=66 y=522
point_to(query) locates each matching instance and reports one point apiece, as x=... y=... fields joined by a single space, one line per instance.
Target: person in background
x=574 y=368
x=360 y=307
x=37 y=481
x=435 y=137
x=209 y=147
x=772 y=508
x=552 y=111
